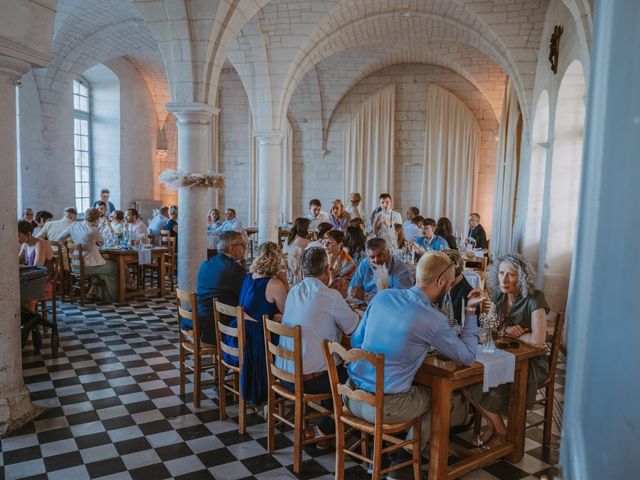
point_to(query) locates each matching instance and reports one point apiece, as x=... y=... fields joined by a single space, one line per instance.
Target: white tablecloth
x=472 y=277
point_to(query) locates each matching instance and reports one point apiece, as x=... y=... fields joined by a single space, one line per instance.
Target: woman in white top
x=86 y=233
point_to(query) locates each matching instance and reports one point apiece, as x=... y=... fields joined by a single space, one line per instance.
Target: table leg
x=162 y=274
x=122 y=278
x=440 y=420
x=518 y=412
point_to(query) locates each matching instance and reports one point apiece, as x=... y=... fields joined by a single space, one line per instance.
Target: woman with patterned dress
x=341 y=265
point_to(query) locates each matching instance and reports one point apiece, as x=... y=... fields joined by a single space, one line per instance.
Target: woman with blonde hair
x=339 y=218
x=264 y=291
x=354 y=205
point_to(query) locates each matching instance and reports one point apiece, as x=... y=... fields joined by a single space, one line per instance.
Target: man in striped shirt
x=322 y=313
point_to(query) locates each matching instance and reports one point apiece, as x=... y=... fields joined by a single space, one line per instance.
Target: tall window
x=82 y=143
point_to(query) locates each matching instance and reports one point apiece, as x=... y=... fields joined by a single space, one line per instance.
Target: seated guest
x=401 y=241
x=476 y=231
x=316 y=216
x=27 y=216
x=383 y=219
x=213 y=219
x=341 y=265
x=413 y=225
x=339 y=218
x=231 y=223
x=52 y=230
x=354 y=205
x=404 y=340
x=364 y=280
x=429 y=240
x=444 y=229
x=322 y=313
x=86 y=233
x=264 y=291
x=319 y=233
x=104 y=224
x=135 y=228
x=35 y=252
x=355 y=241
x=104 y=197
x=221 y=277
x=461 y=288
x=117 y=222
x=298 y=237
x=512 y=283
x=358 y=222
x=172 y=223
x=157 y=223
x=42 y=217
x=412 y=212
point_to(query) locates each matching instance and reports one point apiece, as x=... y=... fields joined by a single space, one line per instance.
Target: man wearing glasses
x=405 y=340
x=220 y=277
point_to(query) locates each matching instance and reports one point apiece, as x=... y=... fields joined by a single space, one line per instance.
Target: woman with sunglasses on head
x=341 y=265
x=523 y=310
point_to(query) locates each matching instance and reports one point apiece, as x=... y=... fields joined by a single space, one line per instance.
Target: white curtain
x=451 y=150
x=286 y=179
x=507 y=164
x=369 y=148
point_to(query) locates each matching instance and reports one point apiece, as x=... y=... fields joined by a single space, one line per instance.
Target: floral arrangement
x=488 y=320
x=177 y=178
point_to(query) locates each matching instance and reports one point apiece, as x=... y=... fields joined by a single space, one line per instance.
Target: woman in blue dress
x=264 y=291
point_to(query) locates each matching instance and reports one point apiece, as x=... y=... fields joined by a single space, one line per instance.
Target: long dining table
x=125 y=256
x=444 y=376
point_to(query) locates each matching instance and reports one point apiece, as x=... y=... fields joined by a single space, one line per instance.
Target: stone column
x=194 y=150
x=269 y=170
x=16 y=408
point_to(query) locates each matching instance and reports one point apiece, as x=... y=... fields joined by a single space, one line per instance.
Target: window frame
x=82 y=115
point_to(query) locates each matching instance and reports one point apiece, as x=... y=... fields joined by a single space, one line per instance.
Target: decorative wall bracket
x=554 y=47
x=176 y=179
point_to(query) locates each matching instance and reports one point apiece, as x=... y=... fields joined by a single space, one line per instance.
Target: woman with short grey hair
x=523 y=311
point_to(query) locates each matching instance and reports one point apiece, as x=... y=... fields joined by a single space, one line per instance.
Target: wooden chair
x=191 y=344
x=223 y=367
x=62 y=275
x=478 y=264
x=381 y=431
x=170 y=258
x=553 y=343
x=278 y=394
x=79 y=279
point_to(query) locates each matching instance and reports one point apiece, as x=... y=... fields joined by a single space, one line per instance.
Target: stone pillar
x=194 y=149
x=269 y=170
x=16 y=408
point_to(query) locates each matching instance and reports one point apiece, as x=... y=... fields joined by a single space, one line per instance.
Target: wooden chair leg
x=196 y=380
x=271 y=421
x=222 y=394
x=417 y=453
x=477 y=422
x=377 y=457
x=364 y=446
x=242 y=418
x=182 y=371
x=548 y=414
x=340 y=445
x=298 y=434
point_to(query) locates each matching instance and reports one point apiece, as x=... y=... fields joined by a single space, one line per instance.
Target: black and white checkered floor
x=114 y=412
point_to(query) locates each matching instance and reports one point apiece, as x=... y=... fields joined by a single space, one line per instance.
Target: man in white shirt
x=52 y=230
x=383 y=220
x=411 y=227
x=157 y=223
x=322 y=313
x=135 y=227
x=316 y=216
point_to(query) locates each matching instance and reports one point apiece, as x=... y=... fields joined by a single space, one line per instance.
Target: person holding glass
x=523 y=312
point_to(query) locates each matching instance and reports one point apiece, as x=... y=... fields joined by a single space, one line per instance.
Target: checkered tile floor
x=114 y=413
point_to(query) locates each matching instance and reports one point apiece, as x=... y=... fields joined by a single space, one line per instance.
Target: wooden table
x=124 y=257
x=445 y=376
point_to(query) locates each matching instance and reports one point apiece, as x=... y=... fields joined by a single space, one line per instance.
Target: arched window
x=82 y=143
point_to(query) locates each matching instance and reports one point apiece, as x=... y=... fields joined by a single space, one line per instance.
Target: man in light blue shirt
x=157 y=223
x=403 y=324
x=364 y=280
x=429 y=240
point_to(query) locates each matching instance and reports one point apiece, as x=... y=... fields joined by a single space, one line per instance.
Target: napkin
x=499 y=367
x=144 y=256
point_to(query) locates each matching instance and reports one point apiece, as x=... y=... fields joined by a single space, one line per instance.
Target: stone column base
x=16 y=410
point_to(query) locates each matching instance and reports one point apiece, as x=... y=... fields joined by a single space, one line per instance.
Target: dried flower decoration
x=488 y=320
x=177 y=178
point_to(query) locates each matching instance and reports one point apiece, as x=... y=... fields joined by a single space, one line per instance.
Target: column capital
x=273 y=137
x=192 y=112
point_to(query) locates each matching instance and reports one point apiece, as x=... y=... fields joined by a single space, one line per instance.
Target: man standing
x=367 y=277
x=322 y=313
x=157 y=223
x=383 y=220
x=104 y=196
x=220 y=277
x=52 y=230
x=404 y=340
x=476 y=231
x=316 y=216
